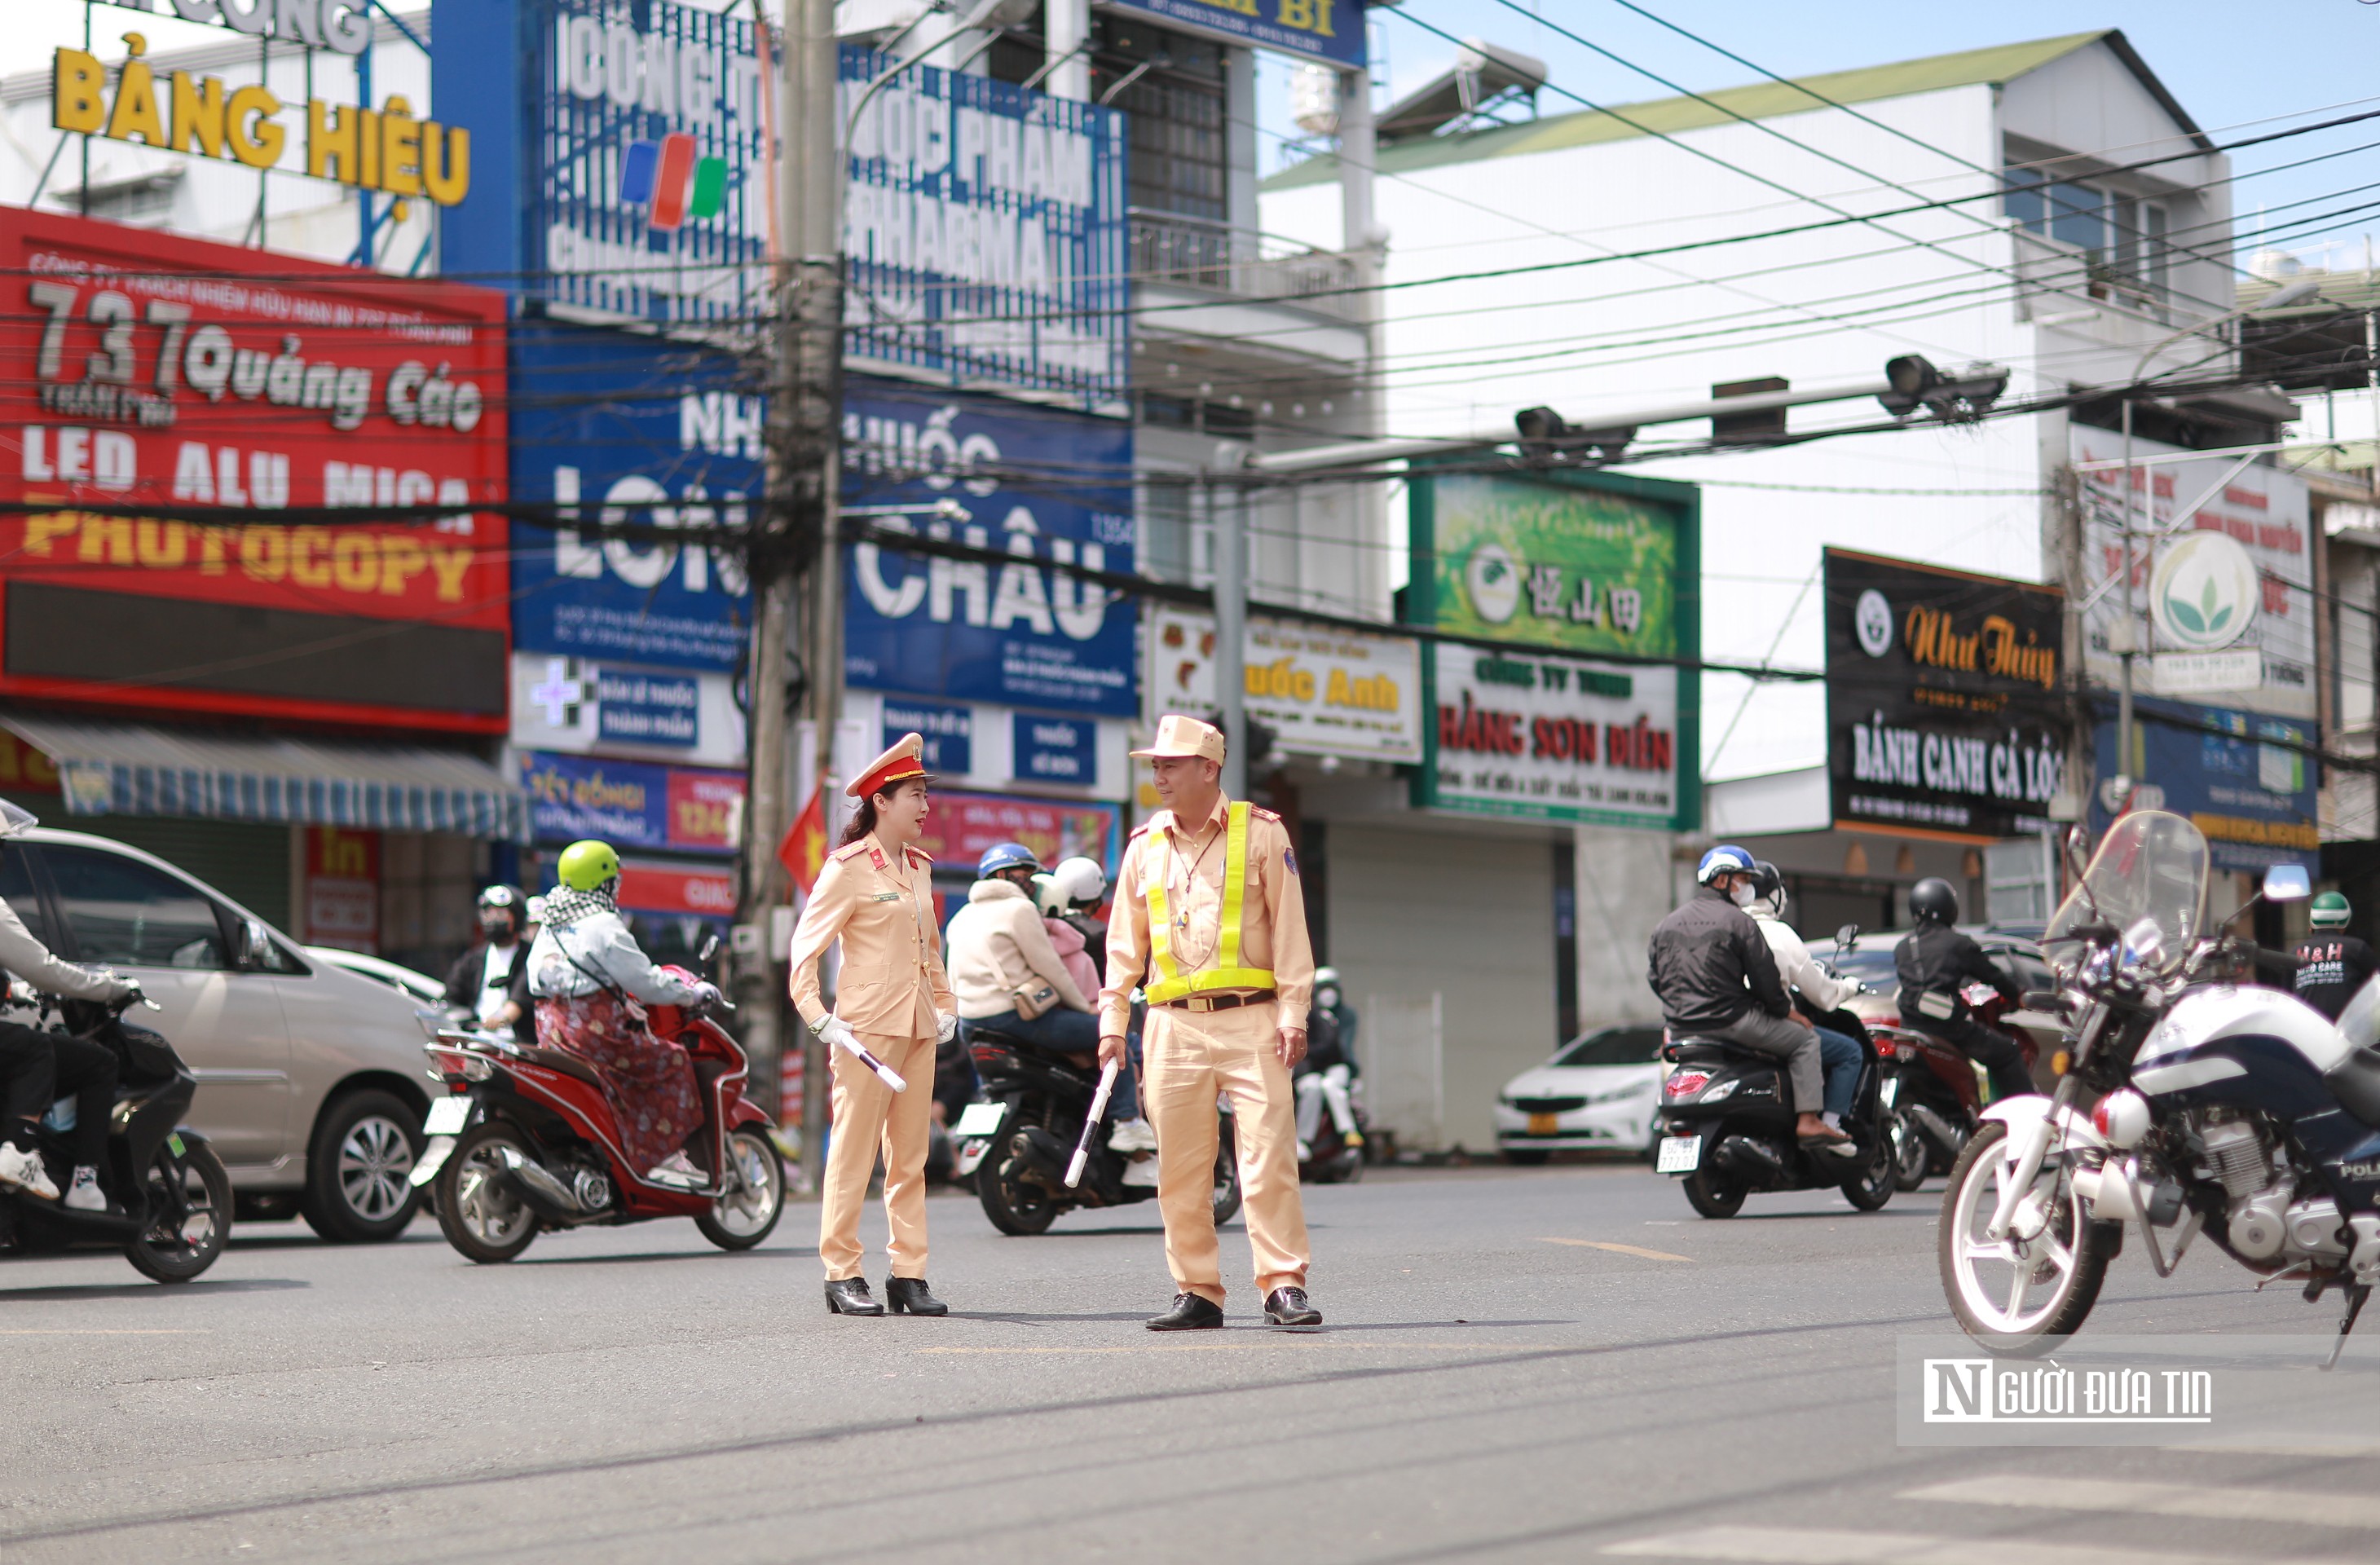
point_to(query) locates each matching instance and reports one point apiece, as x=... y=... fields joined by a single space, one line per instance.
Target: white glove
x=945 y=1028
x=838 y=1034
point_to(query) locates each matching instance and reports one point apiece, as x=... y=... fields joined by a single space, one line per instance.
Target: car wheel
x=359 y=1188
x=1523 y=1158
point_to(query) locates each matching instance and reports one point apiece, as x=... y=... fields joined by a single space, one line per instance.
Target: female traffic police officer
x=875 y=894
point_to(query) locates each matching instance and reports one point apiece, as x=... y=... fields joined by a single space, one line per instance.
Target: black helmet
x=500 y=908
x=1768 y=885
x=1932 y=900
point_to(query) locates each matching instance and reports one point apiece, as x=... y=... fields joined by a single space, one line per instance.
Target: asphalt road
x=1545 y=1365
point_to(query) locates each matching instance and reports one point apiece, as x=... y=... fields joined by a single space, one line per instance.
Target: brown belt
x=1216 y=1001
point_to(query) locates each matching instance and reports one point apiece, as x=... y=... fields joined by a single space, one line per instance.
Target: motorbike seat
x=1028 y=1046
x=568 y=1064
x=2355 y=1082
x=1715 y=1052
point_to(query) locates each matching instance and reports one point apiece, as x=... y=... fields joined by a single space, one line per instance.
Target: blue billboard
x=2242 y=777
x=1327 y=32
x=1040 y=484
x=610 y=427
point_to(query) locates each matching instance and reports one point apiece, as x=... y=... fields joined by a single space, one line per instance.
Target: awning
x=126 y=769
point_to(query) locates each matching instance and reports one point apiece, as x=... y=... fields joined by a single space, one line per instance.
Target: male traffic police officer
x=1209 y=919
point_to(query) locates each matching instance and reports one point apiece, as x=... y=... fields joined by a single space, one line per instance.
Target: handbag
x=1035 y=997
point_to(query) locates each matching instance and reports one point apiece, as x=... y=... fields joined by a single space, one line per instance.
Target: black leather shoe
x=909 y=1295
x=849 y=1296
x=1288 y=1306
x=1190 y=1313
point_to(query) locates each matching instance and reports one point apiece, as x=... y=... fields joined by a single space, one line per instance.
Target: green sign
x=1553 y=563
x=1596 y=564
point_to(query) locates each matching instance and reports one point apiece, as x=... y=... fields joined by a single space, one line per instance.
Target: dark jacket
x=1710 y=965
x=2330 y=968
x=1939 y=958
x=463 y=978
x=1326 y=1043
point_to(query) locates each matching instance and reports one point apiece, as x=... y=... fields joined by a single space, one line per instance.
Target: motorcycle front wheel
x=190 y=1210
x=483 y=1218
x=2020 y=1294
x=755 y=1197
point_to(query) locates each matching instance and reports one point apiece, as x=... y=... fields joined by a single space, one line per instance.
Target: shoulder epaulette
x=851 y=852
x=1263 y=814
x=1139 y=831
x=920 y=855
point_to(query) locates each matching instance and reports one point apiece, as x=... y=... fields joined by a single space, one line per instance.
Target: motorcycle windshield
x=2361 y=1021
x=2151 y=867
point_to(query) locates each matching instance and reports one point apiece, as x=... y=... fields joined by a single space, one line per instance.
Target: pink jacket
x=1069 y=942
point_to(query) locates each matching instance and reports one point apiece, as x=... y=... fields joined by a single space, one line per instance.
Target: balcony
x=1191 y=252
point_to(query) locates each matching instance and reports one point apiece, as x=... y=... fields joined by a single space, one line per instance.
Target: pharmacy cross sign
x=562 y=694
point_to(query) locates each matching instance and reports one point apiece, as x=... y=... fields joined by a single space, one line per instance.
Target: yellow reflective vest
x=1167 y=982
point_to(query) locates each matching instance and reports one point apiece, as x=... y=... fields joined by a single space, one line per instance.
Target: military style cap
x=896 y=765
x=1180 y=736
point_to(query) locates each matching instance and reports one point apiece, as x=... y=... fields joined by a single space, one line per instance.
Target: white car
x=420 y=986
x=1598 y=1094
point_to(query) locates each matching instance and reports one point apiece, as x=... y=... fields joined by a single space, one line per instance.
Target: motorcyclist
x=585 y=971
x=1839 y=1053
x=2332 y=965
x=1935 y=962
x=491 y=980
x=1717 y=979
x=36 y=1067
x=1327 y=1073
x=1002 y=963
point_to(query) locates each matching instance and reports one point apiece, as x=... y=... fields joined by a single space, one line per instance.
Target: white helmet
x=1076 y=882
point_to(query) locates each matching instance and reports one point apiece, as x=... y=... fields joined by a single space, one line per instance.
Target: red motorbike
x=526 y=1141
x=1933 y=1096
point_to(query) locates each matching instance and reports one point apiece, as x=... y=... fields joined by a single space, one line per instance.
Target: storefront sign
x=577 y=705
x=647 y=709
x=620 y=151
x=342 y=906
x=2257 y=598
x=1055 y=750
x=1554 y=739
x=633 y=804
x=1943 y=711
x=948 y=733
x=2243 y=779
x=687 y=890
x=1045 y=487
x=1322 y=691
x=616 y=427
x=986 y=225
x=341 y=26
x=962 y=825
x=1327 y=30
x=156 y=371
x=384 y=149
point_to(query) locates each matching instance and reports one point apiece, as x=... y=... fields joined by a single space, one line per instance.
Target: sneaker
x=20 y=1168
x=677 y=1170
x=1304 y=1153
x=1142 y=1172
x=83 y=1193
x=1132 y=1136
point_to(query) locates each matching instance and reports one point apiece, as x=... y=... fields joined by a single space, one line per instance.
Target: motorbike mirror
x=2078 y=849
x=1847 y=938
x=255 y=944
x=709 y=949
x=2287 y=882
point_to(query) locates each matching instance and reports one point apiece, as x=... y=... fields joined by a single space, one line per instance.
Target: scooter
x=1727 y=1115
x=1332 y=1158
x=1933 y=1093
x=1018 y=1139
x=526 y=1142
x=173 y=1195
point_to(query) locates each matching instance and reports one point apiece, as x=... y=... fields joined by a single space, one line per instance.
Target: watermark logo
x=1983 y=1390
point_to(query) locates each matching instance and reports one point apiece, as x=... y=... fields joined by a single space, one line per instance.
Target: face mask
x=1742 y=893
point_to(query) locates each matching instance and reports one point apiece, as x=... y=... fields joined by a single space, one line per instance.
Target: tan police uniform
x=878 y=902
x=1210 y=919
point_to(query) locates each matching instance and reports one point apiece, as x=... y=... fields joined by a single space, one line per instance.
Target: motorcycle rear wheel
x=2051 y=1279
x=1016 y=1206
x=190 y=1197
x=481 y=1215
x=1912 y=1158
x=1713 y=1193
x=749 y=1211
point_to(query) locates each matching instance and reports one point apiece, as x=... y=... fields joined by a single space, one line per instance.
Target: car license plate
x=446 y=1117
x=980 y=1118
x=1680 y=1154
x=1544 y=1124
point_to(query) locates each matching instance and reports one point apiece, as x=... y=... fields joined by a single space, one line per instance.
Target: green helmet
x=587 y=864
x=2330 y=911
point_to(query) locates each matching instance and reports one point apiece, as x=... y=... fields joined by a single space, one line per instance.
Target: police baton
x=884 y=1072
x=1091 y=1125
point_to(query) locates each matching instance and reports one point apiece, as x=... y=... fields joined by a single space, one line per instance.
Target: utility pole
x=794 y=544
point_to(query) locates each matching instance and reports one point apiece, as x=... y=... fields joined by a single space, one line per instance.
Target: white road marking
x=1810 y=1546
x=98 y=1331
x=1619 y=1249
x=2226 y=1503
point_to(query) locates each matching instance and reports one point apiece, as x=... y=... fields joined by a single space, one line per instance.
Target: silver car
x=310 y=1077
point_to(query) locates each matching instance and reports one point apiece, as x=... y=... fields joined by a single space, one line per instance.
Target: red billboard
x=142 y=369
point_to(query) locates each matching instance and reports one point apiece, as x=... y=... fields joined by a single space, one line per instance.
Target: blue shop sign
x=636 y=708
x=948 y=733
x=1329 y=30
x=1042 y=485
x=2242 y=777
x=610 y=427
x=1055 y=749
